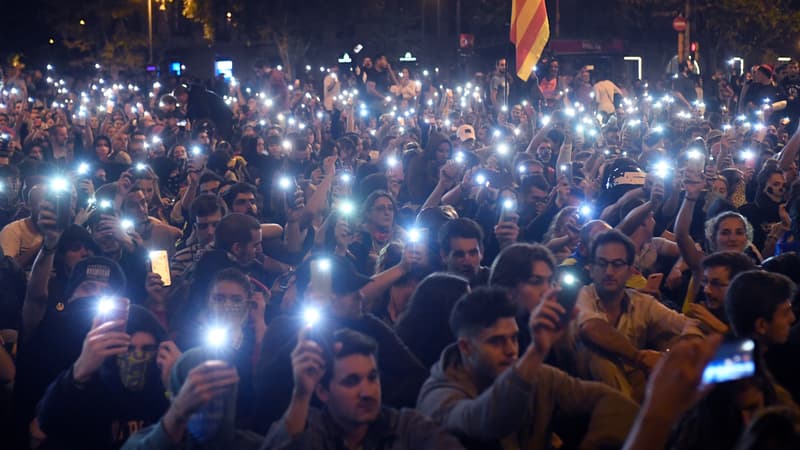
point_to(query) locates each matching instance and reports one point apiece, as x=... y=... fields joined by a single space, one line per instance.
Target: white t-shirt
x=604 y=95
x=18 y=240
x=331 y=90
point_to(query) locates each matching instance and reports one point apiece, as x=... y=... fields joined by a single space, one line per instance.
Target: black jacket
x=106 y=412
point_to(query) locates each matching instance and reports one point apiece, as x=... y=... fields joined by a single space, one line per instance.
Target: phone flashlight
x=661 y=169
x=585 y=211
x=694 y=154
x=345 y=178
x=196 y=151
x=285 y=183
x=508 y=204
x=311 y=316
x=216 y=337
x=459 y=157
x=346 y=208
x=391 y=161
x=502 y=149
x=59 y=185
x=83 y=168
x=140 y=167
x=126 y=224
x=747 y=155
x=414 y=235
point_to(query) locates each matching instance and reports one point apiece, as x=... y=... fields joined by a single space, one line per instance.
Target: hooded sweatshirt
x=108 y=412
x=514 y=413
x=227 y=436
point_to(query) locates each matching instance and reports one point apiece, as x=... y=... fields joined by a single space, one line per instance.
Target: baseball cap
x=96 y=268
x=465 y=133
x=345 y=278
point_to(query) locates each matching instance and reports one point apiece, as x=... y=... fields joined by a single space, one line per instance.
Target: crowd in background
x=364 y=257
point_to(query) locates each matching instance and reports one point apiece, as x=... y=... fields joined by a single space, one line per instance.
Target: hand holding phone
x=159 y=263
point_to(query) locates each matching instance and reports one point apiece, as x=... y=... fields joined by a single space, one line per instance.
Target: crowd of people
x=366 y=258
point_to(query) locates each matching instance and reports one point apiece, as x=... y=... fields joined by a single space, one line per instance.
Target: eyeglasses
x=615 y=264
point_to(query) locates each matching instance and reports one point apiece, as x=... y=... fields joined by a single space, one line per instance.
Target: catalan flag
x=530 y=31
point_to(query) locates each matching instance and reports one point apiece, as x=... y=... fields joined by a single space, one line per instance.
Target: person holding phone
x=767 y=321
x=116 y=385
x=528 y=272
x=344 y=375
x=202 y=413
x=53 y=329
x=487 y=390
x=340 y=308
x=620 y=328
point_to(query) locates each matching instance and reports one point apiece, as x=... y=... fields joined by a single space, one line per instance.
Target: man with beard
x=718 y=269
x=115 y=387
x=499 y=86
x=241 y=198
x=461 y=248
x=492 y=393
x=345 y=378
x=764 y=212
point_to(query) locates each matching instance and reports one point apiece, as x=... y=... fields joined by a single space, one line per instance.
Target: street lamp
x=149 y=31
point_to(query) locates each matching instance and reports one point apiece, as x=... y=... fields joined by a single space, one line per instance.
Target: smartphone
x=508 y=209
x=569 y=281
x=696 y=160
x=111 y=309
x=321 y=283
x=733 y=361
x=159 y=263
x=565 y=170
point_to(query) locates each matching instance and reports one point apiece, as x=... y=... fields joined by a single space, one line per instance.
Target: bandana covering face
x=133 y=368
x=203 y=425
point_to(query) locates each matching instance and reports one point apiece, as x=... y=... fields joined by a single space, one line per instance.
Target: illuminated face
x=228 y=302
x=135 y=207
x=529 y=292
x=464 y=257
x=493 y=351
x=731 y=235
x=502 y=66
x=205 y=226
x=101 y=149
x=148 y=187
x=382 y=213
x=353 y=396
x=245 y=203
x=610 y=269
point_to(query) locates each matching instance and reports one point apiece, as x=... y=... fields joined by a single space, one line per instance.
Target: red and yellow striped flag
x=530 y=31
